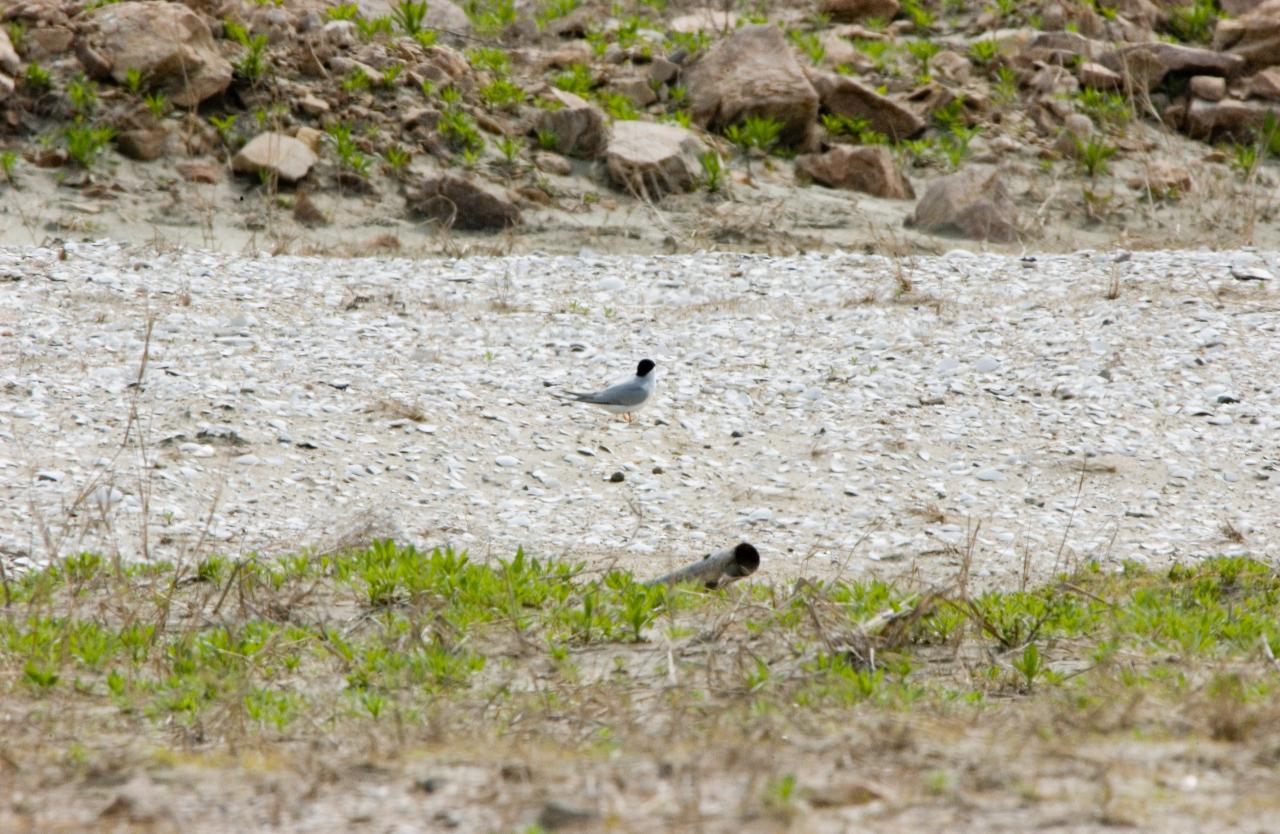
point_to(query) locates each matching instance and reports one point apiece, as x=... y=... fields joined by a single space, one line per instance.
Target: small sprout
x=409 y=16
x=712 y=170
x=547 y=139
x=390 y=73
x=37 y=77
x=8 y=164
x=510 y=147
x=133 y=80
x=157 y=103
x=343 y=11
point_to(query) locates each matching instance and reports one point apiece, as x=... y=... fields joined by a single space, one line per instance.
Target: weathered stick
x=717 y=569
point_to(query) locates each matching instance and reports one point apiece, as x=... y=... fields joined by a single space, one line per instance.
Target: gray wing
x=626 y=393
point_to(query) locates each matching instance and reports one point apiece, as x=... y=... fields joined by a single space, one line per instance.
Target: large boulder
x=650 y=159
x=458 y=203
x=578 y=126
x=1229 y=118
x=973 y=203
x=844 y=96
x=1254 y=37
x=276 y=155
x=167 y=42
x=753 y=72
x=869 y=169
x=1147 y=64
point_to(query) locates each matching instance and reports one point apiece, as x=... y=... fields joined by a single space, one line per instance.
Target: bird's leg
x=626 y=416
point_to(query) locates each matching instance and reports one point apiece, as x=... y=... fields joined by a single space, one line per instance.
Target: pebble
x=857 y=426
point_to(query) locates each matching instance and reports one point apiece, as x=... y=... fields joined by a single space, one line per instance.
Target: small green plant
x=780 y=795
x=252 y=66
x=1005 y=91
x=37 y=77
x=17 y=31
x=83 y=94
x=470 y=157
x=355 y=81
x=426 y=38
x=391 y=73
x=1107 y=109
x=409 y=16
x=134 y=80
x=691 y=43
x=809 y=43
x=460 y=132
x=1029 y=664
x=984 y=51
x=8 y=165
x=86 y=143
x=490 y=17
x=683 y=118
x=343 y=11
x=451 y=96
x=577 y=79
x=489 y=58
x=1094 y=154
x=502 y=93
x=428 y=88
x=618 y=106
x=510 y=147
x=550 y=10
x=712 y=171
x=397 y=160
x=755 y=132
x=1244 y=158
x=372 y=28
x=157 y=103
x=919 y=16
x=547 y=139
x=224 y=125
x=855 y=127
x=347 y=149
x=955 y=144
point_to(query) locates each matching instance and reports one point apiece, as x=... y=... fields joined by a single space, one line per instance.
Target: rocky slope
x=315 y=126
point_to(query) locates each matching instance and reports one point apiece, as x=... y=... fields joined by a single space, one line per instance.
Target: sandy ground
x=841 y=412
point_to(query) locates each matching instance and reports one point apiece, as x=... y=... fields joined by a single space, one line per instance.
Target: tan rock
x=869 y=169
x=753 y=72
x=167 y=42
x=704 y=20
x=1265 y=84
x=458 y=203
x=146 y=144
x=573 y=52
x=578 y=126
x=278 y=155
x=313 y=105
x=850 y=11
x=310 y=137
x=952 y=66
x=1099 y=77
x=203 y=172
x=1229 y=117
x=1254 y=36
x=973 y=202
x=1076 y=128
x=1164 y=179
x=649 y=159
x=552 y=163
x=1208 y=87
x=844 y=96
x=47 y=43
x=7 y=87
x=635 y=88
x=1148 y=63
x=9 y=60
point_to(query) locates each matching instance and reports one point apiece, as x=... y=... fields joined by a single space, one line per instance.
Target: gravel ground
x=838 y=411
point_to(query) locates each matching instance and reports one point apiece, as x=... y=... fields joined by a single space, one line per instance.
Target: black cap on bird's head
x=645 y=366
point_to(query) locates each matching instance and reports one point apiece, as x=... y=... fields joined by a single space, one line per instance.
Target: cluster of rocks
x=737 y=71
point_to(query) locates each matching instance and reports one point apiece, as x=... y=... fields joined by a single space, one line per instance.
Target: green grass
x=388 y=648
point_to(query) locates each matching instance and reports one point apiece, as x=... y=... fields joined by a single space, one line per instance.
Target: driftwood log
x=716 y=570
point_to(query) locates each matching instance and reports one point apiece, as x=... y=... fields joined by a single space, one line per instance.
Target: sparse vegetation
x=267 y=650
x=1093 y=154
